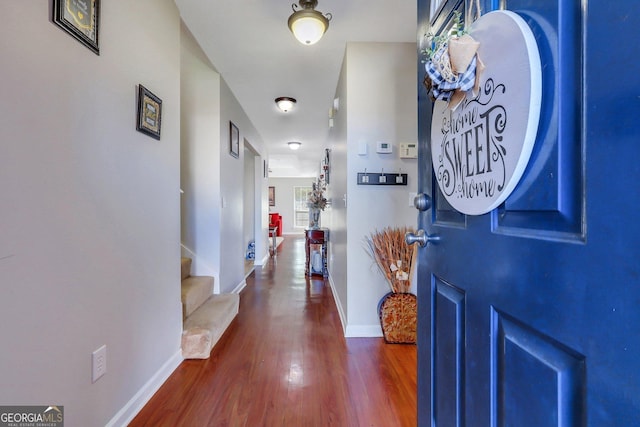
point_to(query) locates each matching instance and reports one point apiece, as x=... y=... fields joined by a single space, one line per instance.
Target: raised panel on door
x=449 y=353
x=548 y=202
x=536 y=381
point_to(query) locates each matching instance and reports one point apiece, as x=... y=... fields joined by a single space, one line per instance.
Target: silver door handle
x=422 y=202
x=421 y=238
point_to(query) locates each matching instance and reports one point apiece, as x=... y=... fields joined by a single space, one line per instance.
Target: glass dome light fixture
x=294 y=145
x=307 y=24
x=285 y=103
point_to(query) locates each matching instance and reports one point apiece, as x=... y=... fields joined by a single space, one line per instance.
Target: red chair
x=275 y=220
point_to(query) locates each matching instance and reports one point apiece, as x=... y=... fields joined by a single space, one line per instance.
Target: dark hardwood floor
x=285 y=362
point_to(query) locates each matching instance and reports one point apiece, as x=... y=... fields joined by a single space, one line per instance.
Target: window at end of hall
x=300 y=208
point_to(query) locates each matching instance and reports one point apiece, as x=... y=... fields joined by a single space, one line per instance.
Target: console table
x=316 y=245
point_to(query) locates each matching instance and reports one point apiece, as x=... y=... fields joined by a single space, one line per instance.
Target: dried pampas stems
x=393 y=256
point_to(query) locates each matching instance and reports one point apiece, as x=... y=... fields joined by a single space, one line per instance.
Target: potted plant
x=395 y=260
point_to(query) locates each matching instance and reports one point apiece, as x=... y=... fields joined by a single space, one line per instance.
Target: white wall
x=262 y=210
x=89 y=236
x=337 y=191
x=232 y=182
x=213 y=181
x=200 y=159
x=378 y=102
x=249 y=207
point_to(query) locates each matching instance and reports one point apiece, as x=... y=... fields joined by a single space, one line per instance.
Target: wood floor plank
x=285 y=362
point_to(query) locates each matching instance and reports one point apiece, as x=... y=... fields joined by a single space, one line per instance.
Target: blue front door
x=530 y=315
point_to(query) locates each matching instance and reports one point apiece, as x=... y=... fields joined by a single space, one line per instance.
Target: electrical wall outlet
x=98 y=363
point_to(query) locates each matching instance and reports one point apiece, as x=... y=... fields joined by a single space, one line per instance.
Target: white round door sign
x=481 y=149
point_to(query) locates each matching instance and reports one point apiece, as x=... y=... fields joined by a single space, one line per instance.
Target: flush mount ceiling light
x=285 y=103
x=307 y=24
x=294 y=145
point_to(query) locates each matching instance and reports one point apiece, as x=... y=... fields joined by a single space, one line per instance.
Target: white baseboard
x=263 y=261
x=240 y=287
x=137 y=402
x=363 y=331
x=253 y=268
x=353 y=331
x=343 y=319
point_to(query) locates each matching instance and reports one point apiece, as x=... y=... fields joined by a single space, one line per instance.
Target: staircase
x=205 y=316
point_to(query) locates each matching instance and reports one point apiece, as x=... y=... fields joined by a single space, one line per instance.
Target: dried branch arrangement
x=393 y=256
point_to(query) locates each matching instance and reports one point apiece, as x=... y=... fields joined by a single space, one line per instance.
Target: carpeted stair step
x=185 y=267
x=205 y=326
x=195 y=291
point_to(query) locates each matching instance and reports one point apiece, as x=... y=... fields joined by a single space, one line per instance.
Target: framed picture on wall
x=149 y=113
x=272 y=196
x=234 y=140
x=79 y=18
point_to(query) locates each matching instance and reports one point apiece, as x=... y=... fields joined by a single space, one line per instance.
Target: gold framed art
x=149 y=113
x=80 y=19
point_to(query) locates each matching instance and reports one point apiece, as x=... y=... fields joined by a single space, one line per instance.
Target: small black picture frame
x=149 y=113
x=80 y=19
x=234 y=140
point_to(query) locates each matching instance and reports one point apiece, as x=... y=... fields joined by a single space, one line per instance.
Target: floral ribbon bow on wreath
x=453 y=66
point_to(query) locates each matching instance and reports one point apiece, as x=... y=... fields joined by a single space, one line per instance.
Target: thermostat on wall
x=408 y=150
x=383 y=147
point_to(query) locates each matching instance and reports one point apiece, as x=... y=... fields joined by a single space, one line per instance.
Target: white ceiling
x=250 y=45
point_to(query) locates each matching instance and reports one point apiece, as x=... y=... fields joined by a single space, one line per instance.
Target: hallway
x=284 y=362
